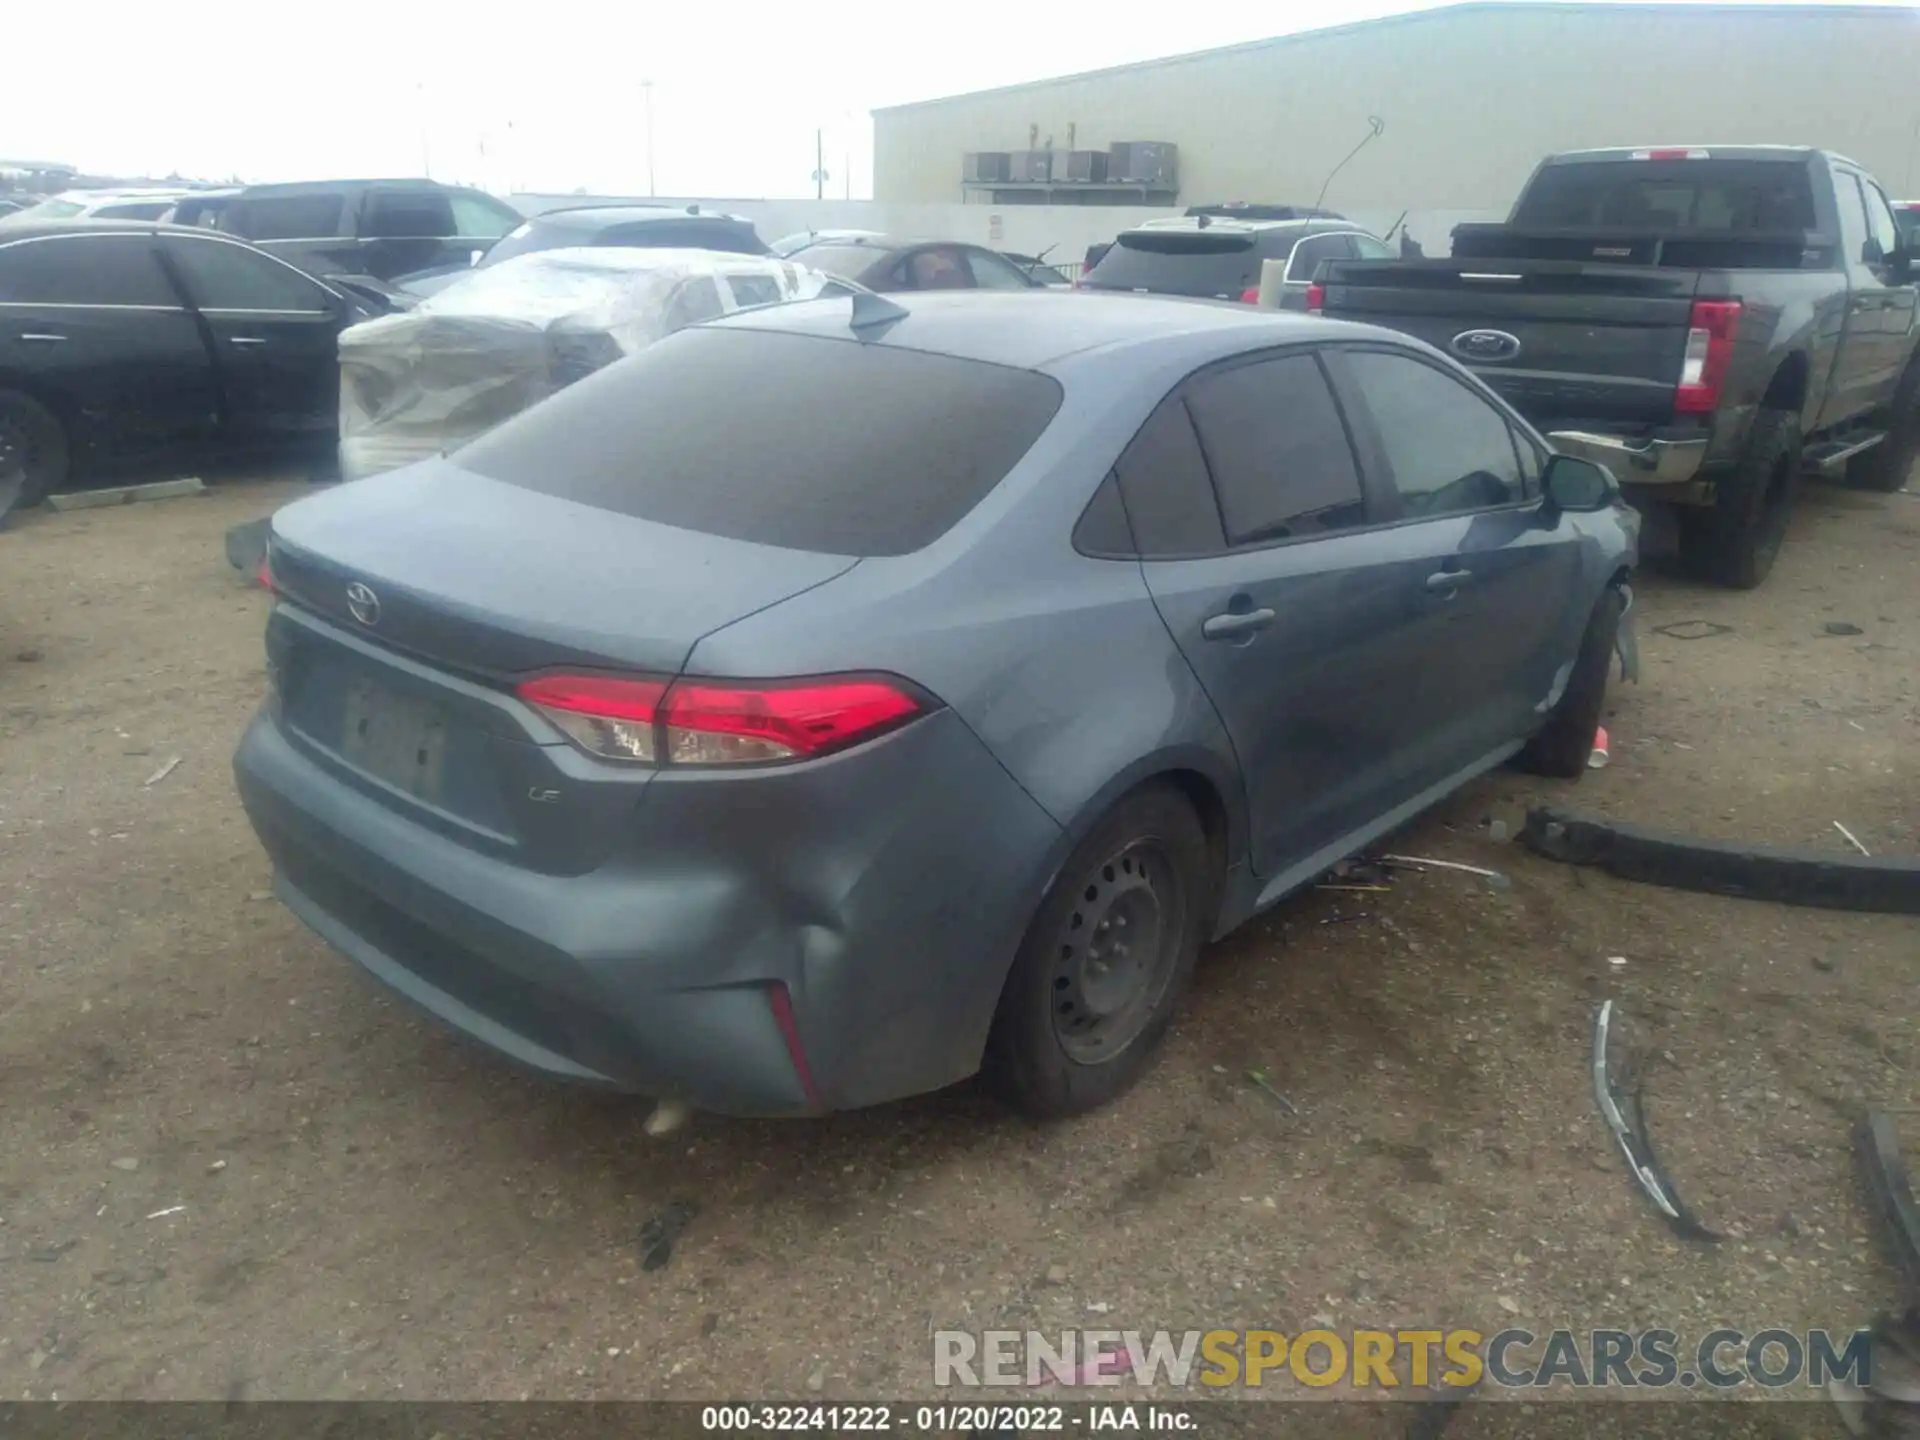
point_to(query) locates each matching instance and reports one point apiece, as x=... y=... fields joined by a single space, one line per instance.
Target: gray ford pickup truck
x=1711 y=322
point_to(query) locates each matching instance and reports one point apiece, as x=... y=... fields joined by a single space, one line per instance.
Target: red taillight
x=1250 y=295
x=709 y=722
x=1672 y=152
x=1316 y=298
x=1711 y=331
x=781 y=1003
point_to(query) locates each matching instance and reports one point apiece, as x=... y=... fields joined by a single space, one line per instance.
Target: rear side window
x=800 y=441
x=850 y=261
x=285 y=217
x=225 y=275
x=407 y=215
x=1450 y=451
x=84 y=270
x=1310 y=253
x=1181 y=262
x=1671 y=196
x=134 y=210
x=1279 y=453
x=750 y=290
x=698 y=299
x=1164 y=481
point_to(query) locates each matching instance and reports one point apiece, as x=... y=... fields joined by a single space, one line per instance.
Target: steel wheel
x=1117 y=951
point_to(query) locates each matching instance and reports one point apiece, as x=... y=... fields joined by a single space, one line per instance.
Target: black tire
x=1735 y=541
x=1562 y=747
x=1886 y=467
x=1072 y=1032
x=34 y=455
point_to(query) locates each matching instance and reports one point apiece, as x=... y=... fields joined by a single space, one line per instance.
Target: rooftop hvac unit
x=984 y=167
x=1081 y=167
x=1144 y=162
x=1030 y=167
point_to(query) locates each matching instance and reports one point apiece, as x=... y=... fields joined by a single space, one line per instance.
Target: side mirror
x=1578 y=486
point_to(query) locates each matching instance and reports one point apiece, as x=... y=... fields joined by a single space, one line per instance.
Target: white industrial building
x=1470 y=96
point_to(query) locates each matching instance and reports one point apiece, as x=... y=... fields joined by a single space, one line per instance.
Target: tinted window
x=696 y=300
x=690 y=234
x=1310 y=253
x=793 y=440
x=754 y=290
x=1449 y=449
x=1881 y=228
x=407 y=214
x=940 y=268
x=136 y=210
x=1671 y=195
x=990 y=272
x=1103 y=526
x=1279 y=454
x=481 y=216
x=221 y=275
x=285 y=217
x=84 y=270
x=1163 y=478
x=1184 y=262
x=1907 y=217
x=852 y=261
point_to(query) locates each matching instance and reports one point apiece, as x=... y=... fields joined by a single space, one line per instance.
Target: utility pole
x=819 y=165
x=646 y=90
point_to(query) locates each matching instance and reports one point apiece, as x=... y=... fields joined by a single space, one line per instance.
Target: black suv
x=645 y=227
x=1203 y=255
x=381 y=228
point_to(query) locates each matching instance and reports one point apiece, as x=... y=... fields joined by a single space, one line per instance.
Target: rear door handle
x=42 y=337
x=1448 y=580
x=1235 y=624
x=246 y=340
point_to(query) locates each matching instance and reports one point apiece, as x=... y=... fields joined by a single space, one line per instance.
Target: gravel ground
x=231 y=1168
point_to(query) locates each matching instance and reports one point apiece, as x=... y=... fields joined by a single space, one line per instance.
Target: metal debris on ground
x=1424 y=862
x=170 y=1210
x=658 y=1235
x=125 y=494
x=1598 y=757
x=1345 y=919
x=1625 y=1114
x=1259 y=1078
x=1852 y=839
x=164 y=771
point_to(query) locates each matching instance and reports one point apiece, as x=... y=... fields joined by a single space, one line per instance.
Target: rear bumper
x=1637 y=462
x=885 y=889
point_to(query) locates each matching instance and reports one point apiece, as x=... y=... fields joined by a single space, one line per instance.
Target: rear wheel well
x=1200 y=793
x=1788 y=388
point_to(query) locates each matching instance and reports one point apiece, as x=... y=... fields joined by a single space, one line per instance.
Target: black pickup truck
x=1710 y=322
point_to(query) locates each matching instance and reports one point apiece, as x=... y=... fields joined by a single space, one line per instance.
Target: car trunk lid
x=404 y=687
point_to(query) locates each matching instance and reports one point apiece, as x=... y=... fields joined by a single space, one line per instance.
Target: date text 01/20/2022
x=942 y=1419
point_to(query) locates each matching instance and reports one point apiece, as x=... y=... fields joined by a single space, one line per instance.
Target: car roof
x=1038 y=329
x=583 y=217
x=318 y=187
x=1702 y=152
x=1222 y=226
x=621 y=259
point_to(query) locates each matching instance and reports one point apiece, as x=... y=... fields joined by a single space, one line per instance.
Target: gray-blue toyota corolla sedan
x=831 y=702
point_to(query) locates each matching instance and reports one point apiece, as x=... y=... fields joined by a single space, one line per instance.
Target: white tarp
x=509 y=335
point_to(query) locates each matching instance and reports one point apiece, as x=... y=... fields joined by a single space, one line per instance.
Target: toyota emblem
x=1485 y=345
x=363 y=604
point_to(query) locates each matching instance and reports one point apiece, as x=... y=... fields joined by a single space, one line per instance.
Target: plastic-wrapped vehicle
x=416 y=384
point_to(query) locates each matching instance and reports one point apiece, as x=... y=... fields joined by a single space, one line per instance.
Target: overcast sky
x=519 y=96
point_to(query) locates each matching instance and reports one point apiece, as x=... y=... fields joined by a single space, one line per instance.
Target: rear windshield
x=692 y=233
x=1180 y=262
x=805 y=442
x=1671 y=196
x=1907 y=216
